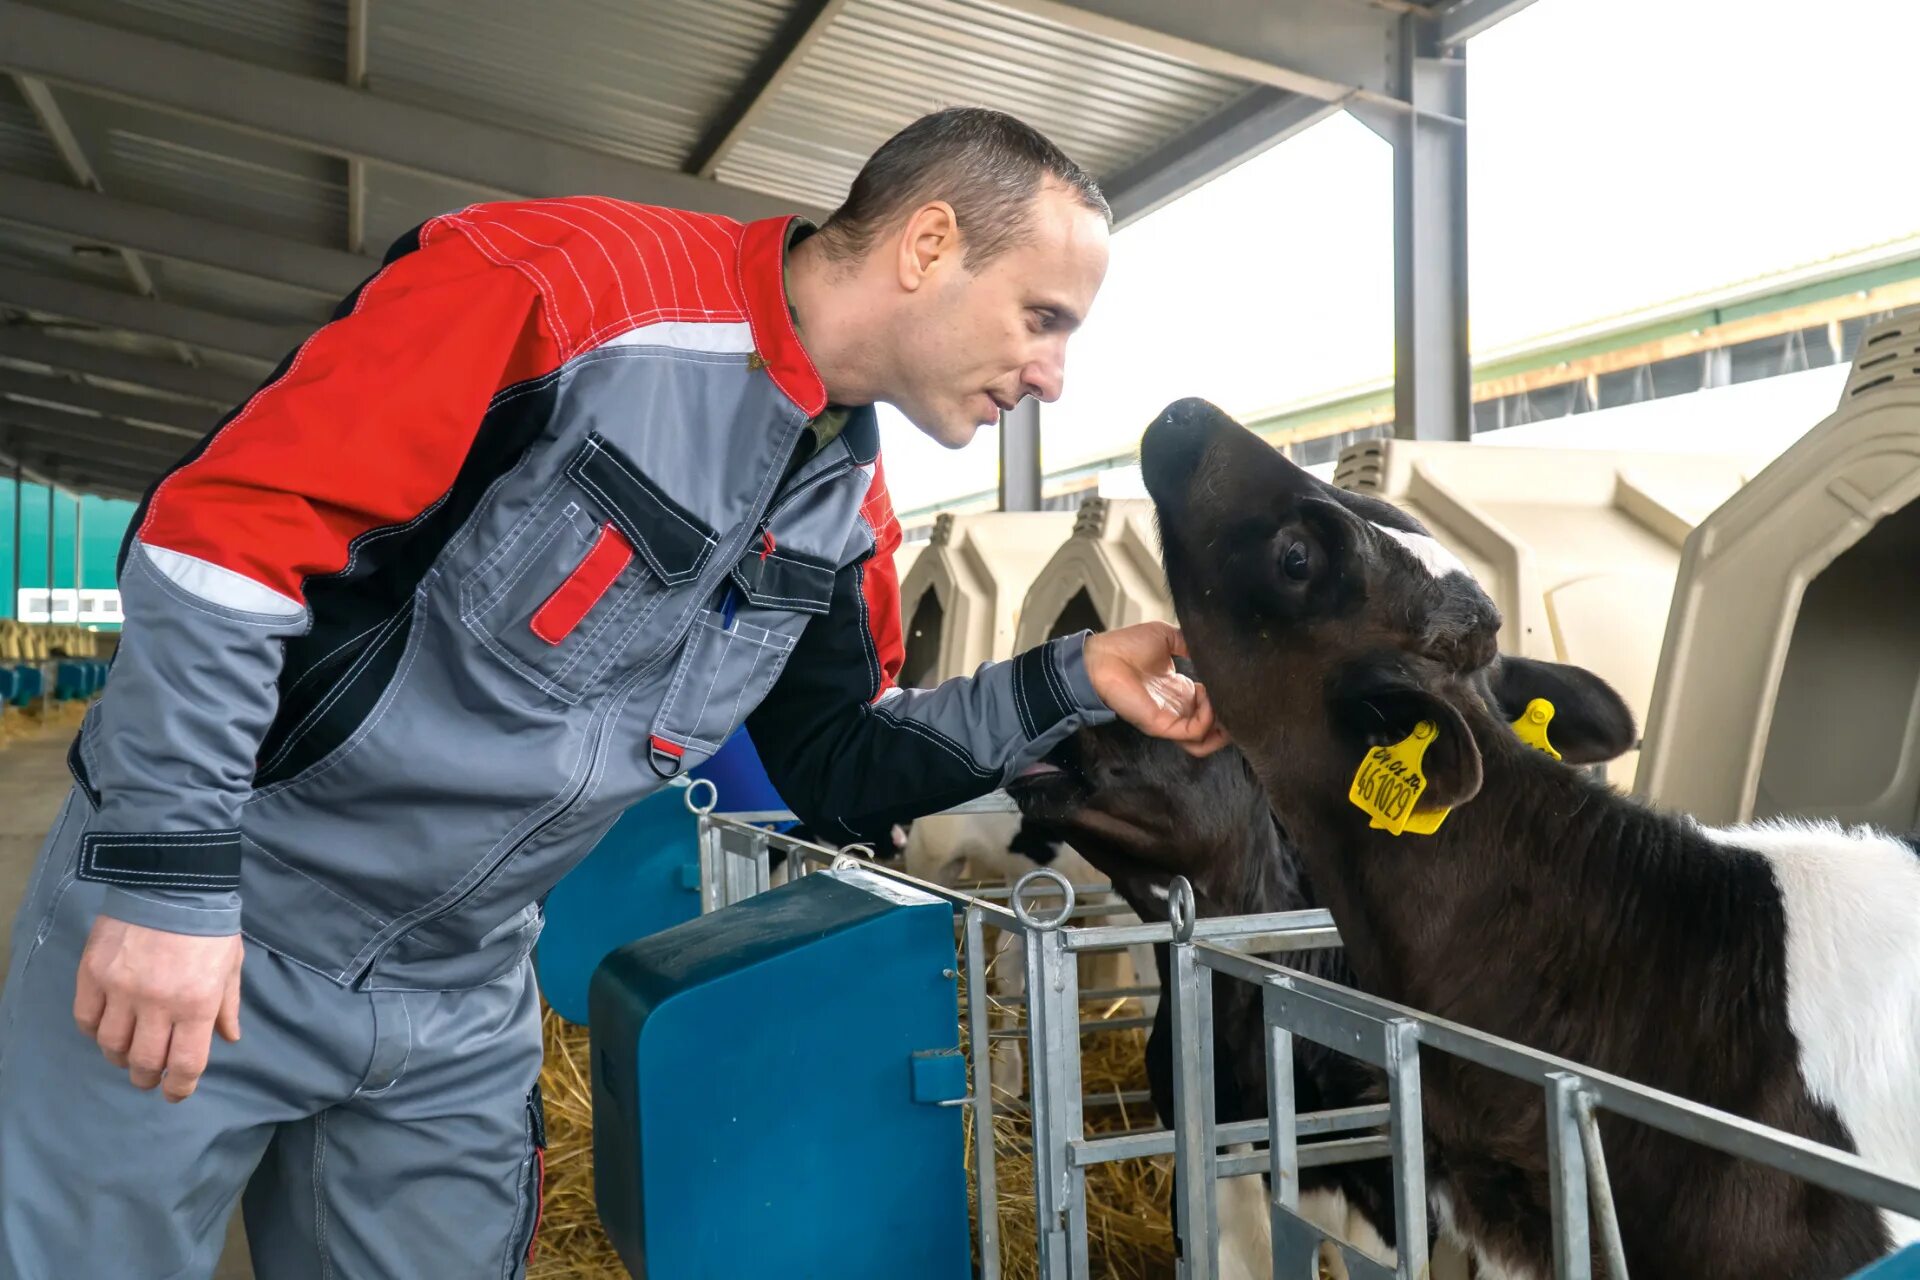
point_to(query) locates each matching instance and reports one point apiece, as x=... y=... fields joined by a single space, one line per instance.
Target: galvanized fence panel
x=734 y=859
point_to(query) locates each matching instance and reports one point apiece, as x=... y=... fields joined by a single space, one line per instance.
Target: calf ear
x=1591 y=723
x=1377 y=703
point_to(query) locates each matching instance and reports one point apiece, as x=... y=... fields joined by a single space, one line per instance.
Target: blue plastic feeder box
x=643 y=876
x=774 y=1089
x=1904 y=1265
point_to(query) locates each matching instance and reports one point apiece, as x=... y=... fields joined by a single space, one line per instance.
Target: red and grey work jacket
x=514 y=538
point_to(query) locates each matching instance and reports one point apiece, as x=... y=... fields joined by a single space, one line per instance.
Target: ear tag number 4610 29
x=1389 y=782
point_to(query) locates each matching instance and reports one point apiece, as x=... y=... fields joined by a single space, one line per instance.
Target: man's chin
x=954 y=434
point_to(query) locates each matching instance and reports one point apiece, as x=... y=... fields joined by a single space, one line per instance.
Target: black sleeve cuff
x=196 y=860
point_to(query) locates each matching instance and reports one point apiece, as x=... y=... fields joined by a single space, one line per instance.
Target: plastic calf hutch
x=960 y=602
x=1790 y=680
x=1203 y=952
x=1578 y=547
x=1106 y=574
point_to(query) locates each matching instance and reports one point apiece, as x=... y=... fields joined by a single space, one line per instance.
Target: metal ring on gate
x=1180 y=909
x=1026 y=916
x=713 y=796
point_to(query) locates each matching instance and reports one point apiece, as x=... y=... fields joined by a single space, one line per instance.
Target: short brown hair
x=988 y=165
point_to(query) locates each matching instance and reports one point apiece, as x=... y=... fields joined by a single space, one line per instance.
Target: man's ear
x=1591 y=723
x=1377 y=702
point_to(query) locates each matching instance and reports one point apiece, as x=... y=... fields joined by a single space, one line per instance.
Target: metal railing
x=734 y=865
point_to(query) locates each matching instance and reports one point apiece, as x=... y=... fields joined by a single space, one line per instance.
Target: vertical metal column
x=13 y=606
x=1020 y=457
x=980 y=1048
x=48 y=681
x=1567 y=1167
x=79 y=562
x=1407 y=1127
x=1195 y=1185
x=52 y=493
x=1433 y=376
x=1053 y=1058
x=1284 y=1130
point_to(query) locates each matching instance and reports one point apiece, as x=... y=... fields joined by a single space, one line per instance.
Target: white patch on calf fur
x=1434 y=558
x=1246 y=1225
x=1246 y=1229
x=1852 y=900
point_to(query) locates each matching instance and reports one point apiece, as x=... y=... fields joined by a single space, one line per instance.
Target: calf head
x=1143 y=811
x=1325 y=623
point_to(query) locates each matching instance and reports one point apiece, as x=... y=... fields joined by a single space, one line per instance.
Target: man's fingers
x=186 y=1059
x=1176 y=641
x=147 y=1056
x=115 y=1035
x=229 y=1017
x=89 y=1003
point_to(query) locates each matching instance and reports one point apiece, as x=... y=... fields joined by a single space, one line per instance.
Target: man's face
x=974 y=343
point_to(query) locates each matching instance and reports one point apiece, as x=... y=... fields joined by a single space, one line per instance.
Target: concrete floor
x=33 y=786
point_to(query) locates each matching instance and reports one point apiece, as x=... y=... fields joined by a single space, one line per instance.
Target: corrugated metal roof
x=24 y=145
x=885 y=62
x=645 y=80
x=640 y=79
x=210 y=289
x=54 y=256
x=211 y=172
x=399 y=202
x=308 y=36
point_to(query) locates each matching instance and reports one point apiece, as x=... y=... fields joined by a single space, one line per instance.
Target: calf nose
x=1174 y=444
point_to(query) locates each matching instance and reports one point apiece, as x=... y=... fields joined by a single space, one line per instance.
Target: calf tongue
x=1038 y=769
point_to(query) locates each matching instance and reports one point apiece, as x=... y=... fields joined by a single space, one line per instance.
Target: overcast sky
x=1623 y=153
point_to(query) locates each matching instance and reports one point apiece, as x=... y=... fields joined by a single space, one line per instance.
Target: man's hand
x=152 y=1000
x=1132 y=670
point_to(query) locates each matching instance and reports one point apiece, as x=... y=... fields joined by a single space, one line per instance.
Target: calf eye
x=1295 y=562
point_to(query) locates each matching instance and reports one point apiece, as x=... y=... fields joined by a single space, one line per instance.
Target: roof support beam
x=159 y=417
x=1469 y=18
x=75 y=475
x=1334 y=50
x=1433 y=374
x=334 y=119
x=357 y=18
x=34 y=344
x=1240 y=131
x=94 y=216
x=40 y=97
x=1020 y=466
x=788 y=48
x=112 y=309
x=82 y=443
x=90 y=439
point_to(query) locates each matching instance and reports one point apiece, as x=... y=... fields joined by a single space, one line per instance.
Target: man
x=562 y=495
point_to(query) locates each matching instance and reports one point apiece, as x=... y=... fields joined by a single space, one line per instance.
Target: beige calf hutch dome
x=1578 y=547
x=1790 y=682
x=1106 y=575
x=960 y=602
x=903 y=557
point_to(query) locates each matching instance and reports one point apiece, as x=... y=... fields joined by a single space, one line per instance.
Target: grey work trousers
x=374 y=1134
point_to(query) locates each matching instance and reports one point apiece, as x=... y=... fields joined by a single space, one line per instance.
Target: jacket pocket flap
x=775 y=579
x=674 y=543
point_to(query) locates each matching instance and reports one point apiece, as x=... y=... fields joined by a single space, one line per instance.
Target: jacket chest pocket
x=735 y=652
x=579 y=584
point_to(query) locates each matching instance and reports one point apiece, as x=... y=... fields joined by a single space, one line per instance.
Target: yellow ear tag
x=1389 y=783
x=1532 y=726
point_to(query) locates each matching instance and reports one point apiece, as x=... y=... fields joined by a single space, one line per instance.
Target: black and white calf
x=1142 y=811
x=1771 y=971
